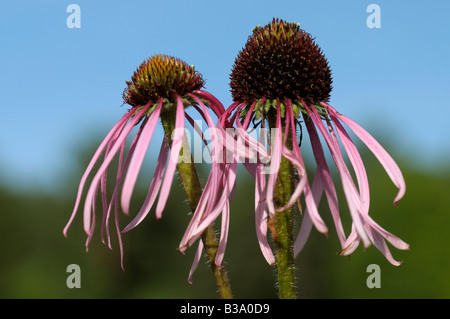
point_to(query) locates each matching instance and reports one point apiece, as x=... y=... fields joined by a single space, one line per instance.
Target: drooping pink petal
x=385 y=159
x=197 y=257
x=120 y=176
x=138 y=158
x=209 y=217
x=380 y=244
x=351 y=243
x=90 y=197
x=225 y=119
x=198 y=130
x=350 y=191
x=196 y=218
x=215 y=104
x=177 y=143
x=357 y=163
x=119 y=235
x=223 y=235
x=261 y=214
x=216 y=154
x=248 y=117
x=234 y=143
x=305 y=228
x=394 y=240
x=303 y=184
x=153 y=189
x=103 y=182
x=118 y=126
x=275 y=163
x=310 y=203
x=327 y=179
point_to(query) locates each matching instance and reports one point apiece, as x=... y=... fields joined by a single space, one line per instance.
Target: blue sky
x=61 y=88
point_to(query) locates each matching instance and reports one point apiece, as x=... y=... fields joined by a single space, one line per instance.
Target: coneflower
x=160 y=89
x=282 y=79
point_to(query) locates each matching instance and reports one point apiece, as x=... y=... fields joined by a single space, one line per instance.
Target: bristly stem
x=283 y=235
x=191 y=184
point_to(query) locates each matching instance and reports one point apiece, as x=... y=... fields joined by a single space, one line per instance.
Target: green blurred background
x=61 y=92
x=35 y=254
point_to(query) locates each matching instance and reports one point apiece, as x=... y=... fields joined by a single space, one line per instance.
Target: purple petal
x=385 y=159
x=357 y=163
x=90 y=197
x=215 y=104
x=305 y=229
x=303 y=185
x=153 y=189
x=196 y=218
x=177 y=143
x=327 y=179
x=117 y=127
x=223 y=235
x=275 y=163
x=351 y=243
x=198 y=256
x=209 y=217
x=261 y=214
x=381 y=245
x=351 y=194
x=138 y=158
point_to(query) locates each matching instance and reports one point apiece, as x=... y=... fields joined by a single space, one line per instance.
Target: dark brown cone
x=280 y=60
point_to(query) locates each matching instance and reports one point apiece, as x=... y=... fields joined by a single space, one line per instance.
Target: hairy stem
x=191 y=184
x=283 y=235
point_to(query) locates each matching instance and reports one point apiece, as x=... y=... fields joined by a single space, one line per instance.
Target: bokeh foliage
x=35 y=254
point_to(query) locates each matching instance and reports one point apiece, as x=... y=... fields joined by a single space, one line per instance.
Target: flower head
x=280 y=60
x=160 y=89
x=162 y=76
x=281 y=76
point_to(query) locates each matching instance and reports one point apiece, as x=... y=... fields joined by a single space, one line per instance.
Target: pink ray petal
x=216 y=151
x=275 y=163
x=351 y=194
x=261 y=214
x=303 y=186
x=357 y=163
x=223 y=235
x=198 y=130
x=380 y=153
x=305 y=228
x=153 y=189
x=210 y=217
x=351 y=243
x=252 y=143
x=394 y=240
x=327 y=179
x=196 y=218
x=90 y=197
x=119 y=235
x=215 y=104
x=310 y=203
x=224 y=118
x=380 y=244
x=120 y=174
x=118 y=126
x=138 y=158
x=177 y=143
x=197 y=257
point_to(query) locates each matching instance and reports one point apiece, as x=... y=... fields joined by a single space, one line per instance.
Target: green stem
x=283 y=235
x=191 y=184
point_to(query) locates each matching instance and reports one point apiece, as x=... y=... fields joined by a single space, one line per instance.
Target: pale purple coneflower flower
x=282 y=77
x=162 y=86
